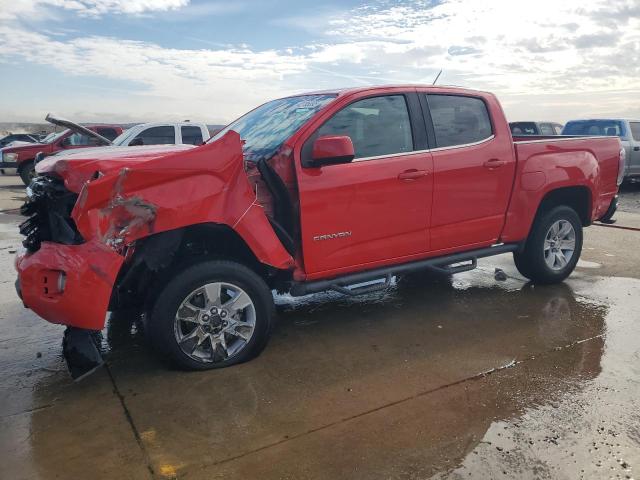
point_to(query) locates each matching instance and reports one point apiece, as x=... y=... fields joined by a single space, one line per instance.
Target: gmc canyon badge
x=331 y=236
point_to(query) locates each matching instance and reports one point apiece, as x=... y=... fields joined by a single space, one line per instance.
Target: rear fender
x=541 y=174
x=204 y=185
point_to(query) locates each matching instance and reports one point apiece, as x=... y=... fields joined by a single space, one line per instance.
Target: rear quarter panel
x=547 y=165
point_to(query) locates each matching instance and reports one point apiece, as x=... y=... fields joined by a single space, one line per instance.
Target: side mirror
x=332 y=151
x=136 y=142
x=65 y=142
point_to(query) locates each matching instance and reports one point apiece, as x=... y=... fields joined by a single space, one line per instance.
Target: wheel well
x=24 y=163
x=578 y=198
x=158 y=256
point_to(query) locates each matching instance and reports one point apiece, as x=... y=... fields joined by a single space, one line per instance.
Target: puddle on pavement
x=410 y=357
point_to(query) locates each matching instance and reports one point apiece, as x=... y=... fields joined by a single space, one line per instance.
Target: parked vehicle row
x=21 y=159
x=339 y=190
x=20 y=138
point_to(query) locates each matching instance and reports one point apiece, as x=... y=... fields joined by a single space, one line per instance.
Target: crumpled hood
x=76 y=167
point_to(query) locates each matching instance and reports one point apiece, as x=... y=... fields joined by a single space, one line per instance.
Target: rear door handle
x=412 y=174
x=636 y=149
x=494 y=163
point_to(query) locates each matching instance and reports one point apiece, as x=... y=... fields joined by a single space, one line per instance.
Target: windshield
x=597 y=128
x=124 y=136
x=53 y=137
x=266 y=128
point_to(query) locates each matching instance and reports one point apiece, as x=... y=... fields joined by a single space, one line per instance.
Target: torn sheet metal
x=202 y=185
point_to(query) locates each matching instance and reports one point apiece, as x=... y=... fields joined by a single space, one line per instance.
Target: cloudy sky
x=143 y=60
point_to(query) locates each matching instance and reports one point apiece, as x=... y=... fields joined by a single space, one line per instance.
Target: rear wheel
x=27 y=171
x=608 y=215
x=212 y=315
x=553 y=247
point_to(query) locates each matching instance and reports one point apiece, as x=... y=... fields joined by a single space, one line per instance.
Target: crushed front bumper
x=69 y=284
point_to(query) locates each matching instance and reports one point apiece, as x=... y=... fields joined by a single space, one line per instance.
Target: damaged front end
x=62 y=278
x=48 y=211
x=90 y=233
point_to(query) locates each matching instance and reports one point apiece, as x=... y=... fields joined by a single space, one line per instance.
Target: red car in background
x=21 y=159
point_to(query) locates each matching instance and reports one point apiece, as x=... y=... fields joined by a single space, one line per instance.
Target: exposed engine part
x=48 y=206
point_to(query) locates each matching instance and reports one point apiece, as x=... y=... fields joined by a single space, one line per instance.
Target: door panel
x=470 y=198
x=374 y=209
x=374 y=214
x=473 y=174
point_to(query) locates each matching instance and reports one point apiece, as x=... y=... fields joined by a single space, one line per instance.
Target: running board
x=449 y=264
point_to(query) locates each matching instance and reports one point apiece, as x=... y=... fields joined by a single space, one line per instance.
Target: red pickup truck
x=337 y=190
x=21 y=159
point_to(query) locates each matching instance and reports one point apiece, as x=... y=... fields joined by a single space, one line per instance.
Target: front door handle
x=636 y=149
x=494 y=163
x=412 y=174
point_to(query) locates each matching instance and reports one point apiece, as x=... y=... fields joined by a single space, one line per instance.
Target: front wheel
x=553 y=247
x=212 y=315
x=27 y=172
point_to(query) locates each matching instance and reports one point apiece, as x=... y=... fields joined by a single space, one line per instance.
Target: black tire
x=160 y=326
x=27 y=172
x=608 y=215
x=531 y=261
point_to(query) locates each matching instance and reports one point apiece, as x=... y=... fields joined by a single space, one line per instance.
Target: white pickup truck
x=163 y=133
x=146 y=134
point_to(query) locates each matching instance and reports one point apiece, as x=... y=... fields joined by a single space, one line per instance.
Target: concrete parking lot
x=445 y=377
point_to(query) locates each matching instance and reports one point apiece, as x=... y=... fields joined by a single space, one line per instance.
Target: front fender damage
x=125 y=217
x=203 y=185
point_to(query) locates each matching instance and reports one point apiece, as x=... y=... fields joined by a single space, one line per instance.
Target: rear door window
x=459 y=120
x=191 y=135
x=377 y=126
x=155 y=136
x=635 y=130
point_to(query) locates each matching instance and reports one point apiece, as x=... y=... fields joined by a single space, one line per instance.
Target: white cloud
x=525 y=52
x=515 y=46
x=93 y=8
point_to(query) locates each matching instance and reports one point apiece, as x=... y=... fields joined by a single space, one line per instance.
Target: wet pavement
x=630 y=197
x=444 y=377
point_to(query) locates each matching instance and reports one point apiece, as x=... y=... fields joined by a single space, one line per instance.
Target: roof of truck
x=349 y=90
x=605 y=119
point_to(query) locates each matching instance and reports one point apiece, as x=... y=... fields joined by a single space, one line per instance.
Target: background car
x=535 y=128
x=627 y=130
x=21 y=159
x=19 y=137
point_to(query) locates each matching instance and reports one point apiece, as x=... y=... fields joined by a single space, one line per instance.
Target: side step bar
x=449 y=264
